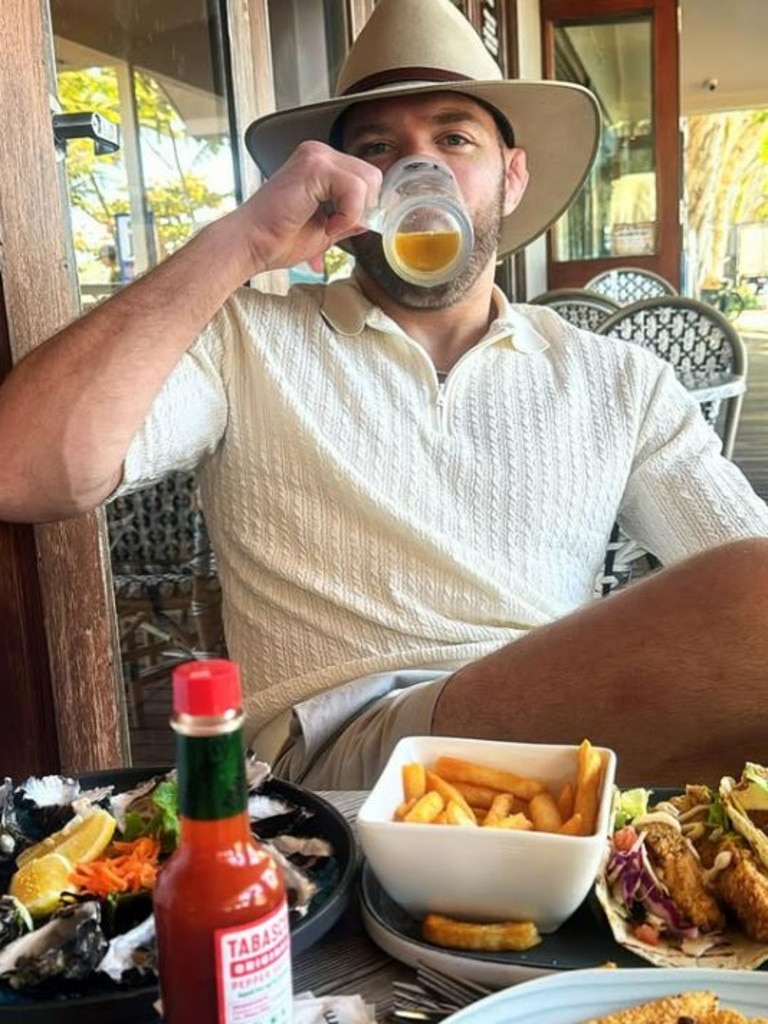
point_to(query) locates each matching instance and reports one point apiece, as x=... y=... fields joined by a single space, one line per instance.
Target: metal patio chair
x=580 y=307
x=705 y=350
x=626 y=285
x=709 y=358
x=167 y=594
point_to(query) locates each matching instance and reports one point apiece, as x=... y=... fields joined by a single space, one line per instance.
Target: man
x=410 y=490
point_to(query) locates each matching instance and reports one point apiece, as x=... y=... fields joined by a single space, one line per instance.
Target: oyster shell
x=15 y=920
x=136 y=800
x=42 y=805
x=256 y=772
x=132 y=953
x=10 y=838
x=68 y=947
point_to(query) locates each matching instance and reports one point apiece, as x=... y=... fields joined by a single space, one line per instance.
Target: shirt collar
x=349 y=312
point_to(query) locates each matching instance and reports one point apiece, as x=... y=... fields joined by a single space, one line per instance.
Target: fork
x=434 y=996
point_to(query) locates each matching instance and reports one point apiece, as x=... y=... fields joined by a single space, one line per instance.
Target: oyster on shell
x=42 y=805
x=90 y=940
x=133 y=951
x=15 y=920
x=68 y=947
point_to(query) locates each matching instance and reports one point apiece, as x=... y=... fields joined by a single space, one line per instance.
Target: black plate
x=585 y=940
x=135 y=1005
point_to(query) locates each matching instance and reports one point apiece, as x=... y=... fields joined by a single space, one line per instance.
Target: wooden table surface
x=346 y=961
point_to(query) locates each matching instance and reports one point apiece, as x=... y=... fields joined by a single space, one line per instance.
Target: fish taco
x=685 y=879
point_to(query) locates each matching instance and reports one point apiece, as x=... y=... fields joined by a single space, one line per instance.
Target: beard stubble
x=369 y=254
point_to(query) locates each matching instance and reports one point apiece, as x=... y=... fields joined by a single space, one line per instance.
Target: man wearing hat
x=410 y=489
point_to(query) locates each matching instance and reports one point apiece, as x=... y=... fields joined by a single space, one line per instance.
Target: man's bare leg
x=672 y=673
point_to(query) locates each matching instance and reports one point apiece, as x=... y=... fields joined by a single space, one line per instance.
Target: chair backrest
x=578 y=306
x=630 y=284
x=157 y=529
x=706 y=351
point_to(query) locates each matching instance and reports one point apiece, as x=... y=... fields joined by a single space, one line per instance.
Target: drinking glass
x=426 y=231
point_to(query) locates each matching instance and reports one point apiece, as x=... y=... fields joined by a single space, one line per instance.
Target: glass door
x=159 y=72
x=628 y=212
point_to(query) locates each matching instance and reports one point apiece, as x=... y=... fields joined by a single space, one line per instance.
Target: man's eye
x=456 y=140
x=369 y=149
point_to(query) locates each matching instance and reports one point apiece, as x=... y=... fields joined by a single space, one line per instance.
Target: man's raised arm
x=69 y=410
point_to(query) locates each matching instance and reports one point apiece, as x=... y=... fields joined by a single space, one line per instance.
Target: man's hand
x=316 y=199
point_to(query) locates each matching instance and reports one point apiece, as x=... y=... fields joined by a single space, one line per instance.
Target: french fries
x=589 y=773
x=462 y=793
x=414 y=781
x=504 y=936
x=545 y=814
x=426 y=808
x=455 y=770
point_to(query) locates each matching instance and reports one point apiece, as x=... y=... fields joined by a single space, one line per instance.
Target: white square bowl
x=483 y=874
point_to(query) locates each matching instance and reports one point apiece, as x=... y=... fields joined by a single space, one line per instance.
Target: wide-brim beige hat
x=414 y=47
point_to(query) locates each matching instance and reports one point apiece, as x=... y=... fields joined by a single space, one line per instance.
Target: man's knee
x=740 y=565
x=726 y=585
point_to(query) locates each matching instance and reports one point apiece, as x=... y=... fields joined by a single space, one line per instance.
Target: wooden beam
x=39 y=288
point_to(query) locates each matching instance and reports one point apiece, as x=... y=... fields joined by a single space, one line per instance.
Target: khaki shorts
x=342 y=739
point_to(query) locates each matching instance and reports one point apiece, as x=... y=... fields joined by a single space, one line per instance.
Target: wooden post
x=82 y=688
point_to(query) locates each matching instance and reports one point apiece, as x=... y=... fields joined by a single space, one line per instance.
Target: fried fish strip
x=687 y=1005
x=681 y=871
x=452 y=934
x=743 y=886
x=729 y=1017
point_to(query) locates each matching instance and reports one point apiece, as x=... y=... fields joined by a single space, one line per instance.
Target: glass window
x=615 y=213
x=158 y=71
x=308 y=39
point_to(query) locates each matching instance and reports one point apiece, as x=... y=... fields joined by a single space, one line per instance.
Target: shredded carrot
x=126 y=867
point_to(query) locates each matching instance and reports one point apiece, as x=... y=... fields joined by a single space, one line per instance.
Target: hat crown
x=415 y=40
x=422 y=47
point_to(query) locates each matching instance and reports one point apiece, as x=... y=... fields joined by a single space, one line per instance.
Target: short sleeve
x=189 y=415
x=682 y=495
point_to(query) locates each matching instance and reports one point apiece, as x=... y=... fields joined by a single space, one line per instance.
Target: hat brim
x=556 y=123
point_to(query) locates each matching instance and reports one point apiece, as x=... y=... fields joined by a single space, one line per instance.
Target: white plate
x=577 y=996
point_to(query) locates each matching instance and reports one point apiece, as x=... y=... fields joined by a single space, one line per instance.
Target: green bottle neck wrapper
x=211 y=776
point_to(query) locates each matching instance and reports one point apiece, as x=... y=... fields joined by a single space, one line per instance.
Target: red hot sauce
x=220 y=905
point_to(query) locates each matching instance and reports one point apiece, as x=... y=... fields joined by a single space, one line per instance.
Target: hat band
x=394 y=75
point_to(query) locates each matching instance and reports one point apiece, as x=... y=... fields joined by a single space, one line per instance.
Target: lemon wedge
x=82 y=839
x=40 y=883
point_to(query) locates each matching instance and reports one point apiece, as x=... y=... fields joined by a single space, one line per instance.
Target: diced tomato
x=646 y=933
x=624 y=839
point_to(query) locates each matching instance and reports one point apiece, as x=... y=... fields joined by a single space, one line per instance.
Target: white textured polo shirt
x=366 y=518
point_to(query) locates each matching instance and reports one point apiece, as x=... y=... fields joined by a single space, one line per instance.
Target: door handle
x=86 y=124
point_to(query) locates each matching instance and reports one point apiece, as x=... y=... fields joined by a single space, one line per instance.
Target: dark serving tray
x=136 y=1005
x=584 y=941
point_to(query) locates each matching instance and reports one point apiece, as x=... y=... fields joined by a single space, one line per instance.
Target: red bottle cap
x=206 y=688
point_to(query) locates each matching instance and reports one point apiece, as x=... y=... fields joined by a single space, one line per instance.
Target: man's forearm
x=69 y=410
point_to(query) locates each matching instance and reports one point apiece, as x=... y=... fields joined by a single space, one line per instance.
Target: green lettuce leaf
x=157 y=815
x=630 y=805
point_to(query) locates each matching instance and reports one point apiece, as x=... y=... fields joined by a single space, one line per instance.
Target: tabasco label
x=253 y=970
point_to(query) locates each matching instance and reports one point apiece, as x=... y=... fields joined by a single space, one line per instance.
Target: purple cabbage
x=633 y=883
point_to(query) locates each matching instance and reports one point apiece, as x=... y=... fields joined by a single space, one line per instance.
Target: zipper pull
x=440 y=399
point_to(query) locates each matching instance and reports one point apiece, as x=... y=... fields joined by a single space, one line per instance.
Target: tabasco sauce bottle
x=220 y=905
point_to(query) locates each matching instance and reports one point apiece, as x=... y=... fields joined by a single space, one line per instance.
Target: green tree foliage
x=98 y=185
